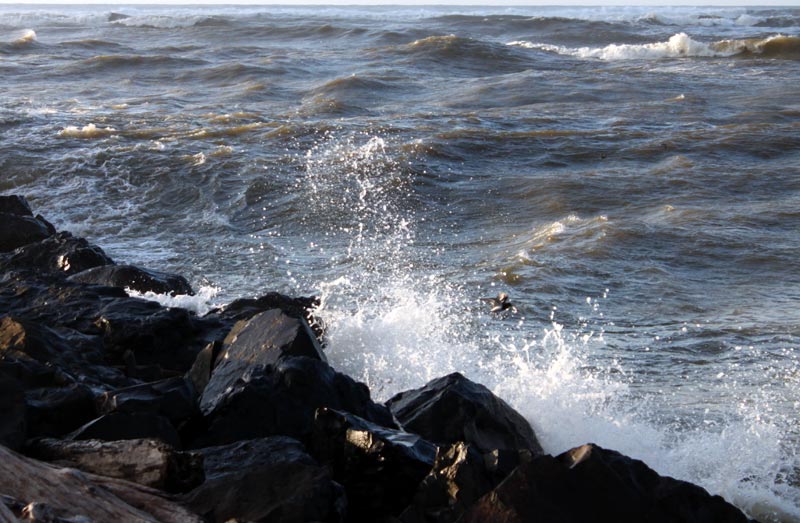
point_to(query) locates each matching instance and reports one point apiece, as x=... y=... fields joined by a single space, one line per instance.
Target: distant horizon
x=415 y=3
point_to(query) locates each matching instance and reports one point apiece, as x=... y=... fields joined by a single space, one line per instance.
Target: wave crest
x=679 y=45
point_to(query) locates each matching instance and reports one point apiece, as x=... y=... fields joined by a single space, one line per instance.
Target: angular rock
x=54 y=411
x=124 y=426
x=17 y=231
x=380 y=468
x=61 y=254
x=15 y=204
x=270 y=479
x=147 y=462
x=13 y=425
x=453 y=408
x=263 y=340
x=200 y=373
x=132 y=277
x=77 y=496
x=173 y=398
x=460 y=476
x=281 y=400
x=610 y=487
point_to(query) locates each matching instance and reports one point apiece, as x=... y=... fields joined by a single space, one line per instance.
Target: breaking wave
x=680 y=45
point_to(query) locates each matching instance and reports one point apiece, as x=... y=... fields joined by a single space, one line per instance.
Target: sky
x=425 y=2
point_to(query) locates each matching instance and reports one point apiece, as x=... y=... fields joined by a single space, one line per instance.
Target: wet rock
x=246 y=308
x=262 y=340
x=380 y=468
x=129 y=276
x=76 y=496
x=147 y=462
x=15 y=204
x=460 y=476
x=54 y=411
x=200 y=373
x=155 y=335
x=17 y=231
x=609 y=487
x=13 y=425
x=270 y=479
x=453 y=408
x=281 y=399
x=125 y=426
x=61 y=254
x=173 y=398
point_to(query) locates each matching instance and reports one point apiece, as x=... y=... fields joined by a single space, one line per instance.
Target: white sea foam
x=25 y=37
x=201 y=302
x=395 y=325
x=87 y=131
x=160 y=22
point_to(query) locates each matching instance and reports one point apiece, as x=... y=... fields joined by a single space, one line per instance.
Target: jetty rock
x=120 y=409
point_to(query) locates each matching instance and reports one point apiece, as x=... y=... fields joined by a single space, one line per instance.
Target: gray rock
x=15 y=204
x=17 y=231
x=144 y=461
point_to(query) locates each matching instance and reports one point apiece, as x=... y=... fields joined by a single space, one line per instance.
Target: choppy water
x=631 y=176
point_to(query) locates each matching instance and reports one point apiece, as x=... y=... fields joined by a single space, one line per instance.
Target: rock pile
x=113 y=408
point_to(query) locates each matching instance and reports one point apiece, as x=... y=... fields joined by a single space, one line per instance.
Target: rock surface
x=453 y=408
x=132 y=277
x=147 y=462
x=269 y=479
x=610 y=486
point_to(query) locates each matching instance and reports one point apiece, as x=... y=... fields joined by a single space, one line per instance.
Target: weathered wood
x=73 y=493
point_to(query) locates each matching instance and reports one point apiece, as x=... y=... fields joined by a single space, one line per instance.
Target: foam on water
x=679 y=45
x=395 y=323
x=200 y=303
x=87 y=131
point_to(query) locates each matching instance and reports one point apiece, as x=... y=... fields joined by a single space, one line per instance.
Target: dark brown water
x=631 y=176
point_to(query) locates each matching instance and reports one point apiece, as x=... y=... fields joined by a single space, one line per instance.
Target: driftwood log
x=70 y=493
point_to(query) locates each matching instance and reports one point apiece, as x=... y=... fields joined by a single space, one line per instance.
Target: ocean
x=629 y=176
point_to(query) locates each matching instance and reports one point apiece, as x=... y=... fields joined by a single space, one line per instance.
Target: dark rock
x=143 y=461
x=17 y=231
x=60 y=254
x=246 y=308
x=124 y=426
x=129 y=276
x=154 y=334
x=260 y=341
x=15 y=204
x=281 y=400
x=13 y=426
x=173 y=398
x=609 y=487
x=453 y=408
x=271 y=479
x=200 y=373
x=380 y=468
x=54 y=411
x=460 y=476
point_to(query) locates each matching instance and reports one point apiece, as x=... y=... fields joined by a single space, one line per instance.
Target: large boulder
x=173 y=398
x=135 y=278
x=271 y=480
x=460 y=476
x=379 y=467
x=147 y=462
x=609 y=487
x=54 y=411
x=262 y=340
x=453 y=408
x=59 y=253
x=281 y=399
x=17 y=231
x=15 y=204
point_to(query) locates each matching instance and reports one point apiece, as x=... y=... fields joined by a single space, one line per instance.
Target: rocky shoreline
x=114 y=408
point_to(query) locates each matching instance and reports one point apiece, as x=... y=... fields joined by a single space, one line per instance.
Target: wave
x=680 y=46
x=457 y=52
x=123 y=61
x=164 y=21
x=87 y=132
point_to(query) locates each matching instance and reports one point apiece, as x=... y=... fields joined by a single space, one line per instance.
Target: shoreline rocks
x=126 y=410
